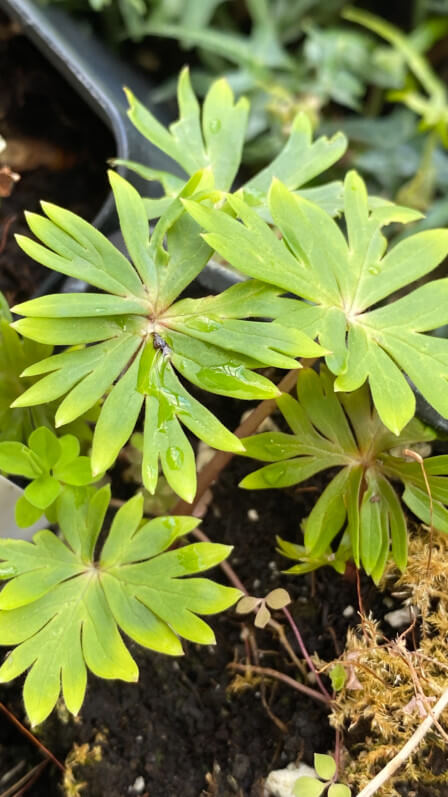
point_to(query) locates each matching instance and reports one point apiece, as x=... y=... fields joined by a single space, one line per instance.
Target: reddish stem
x=305 y=653
x=47 y=753
x=280 y=676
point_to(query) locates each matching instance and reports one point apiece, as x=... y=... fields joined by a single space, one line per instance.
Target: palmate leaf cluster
x=142 y=337
x=360 y=508
x=49 y=463
x=325 y=767
x=212 y=137
x=65 y=609
x=338 y=279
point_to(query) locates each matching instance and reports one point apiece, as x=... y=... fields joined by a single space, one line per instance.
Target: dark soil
x=57 y=145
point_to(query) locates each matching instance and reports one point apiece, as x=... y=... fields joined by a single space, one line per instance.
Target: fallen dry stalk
x=280 y=676
x=398 y=760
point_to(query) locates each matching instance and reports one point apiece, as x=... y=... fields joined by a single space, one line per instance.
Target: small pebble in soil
x=280 y=782
x=399 y=617
x=138 y=786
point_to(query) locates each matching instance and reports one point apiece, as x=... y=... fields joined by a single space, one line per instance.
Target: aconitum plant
x=315 y=288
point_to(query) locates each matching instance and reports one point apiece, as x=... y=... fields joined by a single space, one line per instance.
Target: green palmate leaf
x=341 y=279
x=50 y=463
x=213 y=140
x=141 y=335
x=344 y=430
x=65 y=610
x=301 y=159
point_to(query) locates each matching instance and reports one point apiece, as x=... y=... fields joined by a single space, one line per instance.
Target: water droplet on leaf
x=202 y=324
x=175 y=457
x=215 y=126
x=374 y=270
x=273 y=476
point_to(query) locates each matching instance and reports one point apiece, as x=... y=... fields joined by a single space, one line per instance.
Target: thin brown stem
x=227 y=569
x=47 y=753
x=280 y=676
x=6 y=227
x=413 y=454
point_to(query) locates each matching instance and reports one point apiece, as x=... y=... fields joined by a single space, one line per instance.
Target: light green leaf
x=42 y=491
x=117 y=420
x=373 y=525
x=77 y=249
x=325 y=766
x=17 y=459
x=327 y=516
x=338 y=677
x=135 y=228
x=26 y=514
x=314 y=261
x=345 y=431
x=339 y=790
x=300 y=159
x=216 y=141
x=307 y=786
x=45 y=445
x=64 y=608
x=417 y=500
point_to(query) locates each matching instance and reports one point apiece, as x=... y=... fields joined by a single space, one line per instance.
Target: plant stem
x=305 y=653
x=280 y=676
x=221 y=459
x=398 y=760
x=227 y=569
x=47 y=753
x=28 y=780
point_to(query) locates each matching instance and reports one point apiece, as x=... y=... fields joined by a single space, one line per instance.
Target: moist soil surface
x=190 y=726
x=54 y=142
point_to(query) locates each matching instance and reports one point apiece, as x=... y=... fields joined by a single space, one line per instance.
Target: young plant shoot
x=50 y=463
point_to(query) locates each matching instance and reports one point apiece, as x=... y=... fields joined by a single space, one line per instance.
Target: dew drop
x=202 y=324
x=273 y=476
x=175 y=457
x=215 y=126
x=374 y=270
x=274 y=449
